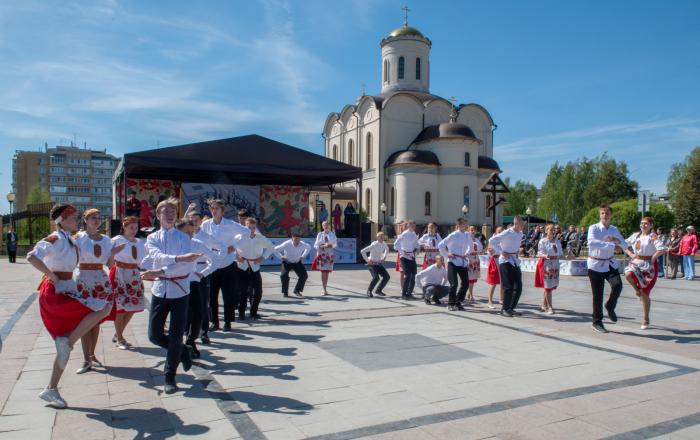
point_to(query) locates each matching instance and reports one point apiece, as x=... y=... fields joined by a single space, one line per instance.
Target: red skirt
x=649 y=279
x=493 y=277
x=398 y=263
x=539 y=274
x=61 y=314
x=113 y=314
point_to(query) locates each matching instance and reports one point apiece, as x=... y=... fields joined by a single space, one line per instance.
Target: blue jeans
x=660 y=265
x=689 y=266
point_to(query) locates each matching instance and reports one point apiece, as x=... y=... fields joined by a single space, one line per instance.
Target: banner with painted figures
x=235 y=197
x=142 y=197
x=284 y=210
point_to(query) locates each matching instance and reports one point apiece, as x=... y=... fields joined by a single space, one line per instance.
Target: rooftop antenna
x=453 y=113
x=363 y=90
x=405 y=11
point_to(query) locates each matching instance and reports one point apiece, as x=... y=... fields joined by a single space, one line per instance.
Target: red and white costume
x=644 y=271
x=92 y=281
x=125 y=275
x=325 y=256
x=474 y=268
x=60 y=305
x=493 y=277
x=430 y=245
x=547 y=271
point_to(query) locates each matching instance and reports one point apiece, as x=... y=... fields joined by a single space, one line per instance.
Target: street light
x=382 y=208
x=316 y=212
x=11 y=201
x=465 y=210
x=528 y=211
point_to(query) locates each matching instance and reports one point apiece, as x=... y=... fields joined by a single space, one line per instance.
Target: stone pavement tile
x=28 y=420
x=691 y=433
x=528 y=433
x=457 y=403
x=75 y=424
x=130 y=434
x=43 y=432
x=574 y=429
x=405 y=434
x=216 y=430
x=591 y=403
x=291 y=433
x=199 y=414
x=327 y=426
x=479 y=426
x=538 y=414
x=635 y=416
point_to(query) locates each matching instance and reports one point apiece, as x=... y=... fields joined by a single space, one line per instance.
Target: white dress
x=325 y=257
x=125 y=275
x=92 y=281
x=474 y=268
x=548 y=264
x=644 y=271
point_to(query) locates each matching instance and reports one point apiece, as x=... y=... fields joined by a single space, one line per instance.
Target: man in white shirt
x=603 y=239
x=407 y=245
x=224 y=278
x=433 y=281
x=456 y=247
x=172 y=259
x=292 y=253
x=378 y=251
x=252 y=248
x=509 y=265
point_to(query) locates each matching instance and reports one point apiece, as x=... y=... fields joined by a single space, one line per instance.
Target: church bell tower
x=405 y=60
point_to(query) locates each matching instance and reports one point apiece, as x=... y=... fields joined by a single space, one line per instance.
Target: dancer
x=407 y=245
x=474 y=267
x=456 y=248
x=64 y=311
x=252 y=248
x=377 y=252
x=126 y=279
x=400 y=228
x=549 y=251
x=429 y=241
x=508 y=242
x=642 y=271
x=170 y=252
x=93 y=283
x=325 y=245
x=336 y=214
x=603 y=239
x=493 y=279
x=292 y=253
x=224 y=278
x=434 y=282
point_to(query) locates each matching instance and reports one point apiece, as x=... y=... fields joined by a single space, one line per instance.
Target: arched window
x=427 y=203
x=368 y=150
x=335 y=152
x=392 y=202
x=465 y=200
x=386 y=71
x=417 y=68
x=402 y=63
x=351 y=155
x=467 y=159
x=368 y=201
x=488 y=205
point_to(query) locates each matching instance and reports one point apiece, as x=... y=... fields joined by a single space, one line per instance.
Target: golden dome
x=406 y=30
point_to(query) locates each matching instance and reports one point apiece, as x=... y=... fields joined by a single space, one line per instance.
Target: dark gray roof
x=488 y=163
x=412 y=157
x=447 y=130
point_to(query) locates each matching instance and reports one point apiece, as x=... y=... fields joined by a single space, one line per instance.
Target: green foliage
x=626 y=217
x=37 y=195
x=686 y=199
x=673 y=182
x=521 y=196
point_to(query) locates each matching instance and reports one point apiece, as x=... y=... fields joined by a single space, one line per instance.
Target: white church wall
x=401 y=121
x=437 y=112
x=474 y=117
x=410 y=49
x=411 y=183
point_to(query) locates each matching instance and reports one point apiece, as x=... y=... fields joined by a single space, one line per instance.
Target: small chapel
x=423 y=157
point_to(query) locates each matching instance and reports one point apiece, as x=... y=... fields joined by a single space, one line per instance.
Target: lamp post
x=11 y=201
x=382 y=208
x=528 y=211
x=465 y=211
x=316 y=212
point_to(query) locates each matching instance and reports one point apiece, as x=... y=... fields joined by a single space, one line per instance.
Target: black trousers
x=250 y=288
x=432 y=291
x=12 y=255
x=223 y=279
x=378 y=271
x=197 y=308
x=409 y=269
x=160 y=309
x=512 y=284
x=453 y=273
x=598 y=279
x=204 y=296
x=299 y=269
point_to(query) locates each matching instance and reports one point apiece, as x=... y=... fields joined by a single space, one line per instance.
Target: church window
x=335 y=152
x=467 y=159
x=392 y=202
x=488 y=205
x=402 y=63
x=465 y=200
x=386 y=71
x=368 y=148
x=417 y=68
x=427 y=203
x=351 y=152
x=368 y=201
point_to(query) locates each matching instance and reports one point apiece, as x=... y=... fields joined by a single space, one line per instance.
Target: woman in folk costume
x=493 y=278
x=642 y=270
x=93 y=284
x=325 y=245
x=547 y=272
x=474 y=268
x=429 y=241
x=126 y=279
x=64 y=311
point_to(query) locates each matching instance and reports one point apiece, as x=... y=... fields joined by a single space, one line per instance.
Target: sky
x=562 y=80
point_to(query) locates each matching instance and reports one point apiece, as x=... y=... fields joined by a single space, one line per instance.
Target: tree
x=626 y=217
x=521 y=196
x=686 y=205
x=674 y=180
x=611 y=183
x=37 y=195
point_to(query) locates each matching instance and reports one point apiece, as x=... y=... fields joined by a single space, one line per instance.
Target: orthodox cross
x=406 y=11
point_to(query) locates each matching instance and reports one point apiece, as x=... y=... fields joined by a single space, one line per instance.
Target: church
x=422 y=157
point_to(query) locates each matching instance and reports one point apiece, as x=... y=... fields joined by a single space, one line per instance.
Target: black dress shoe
x=459 y=306
x=186 y=358
x=241 y=316
x=380 y=293
x=427 y=300
x=409 y=297
x=452 y=308
x=506 y=313
x=285 y=295
x=214 y=328
x=195 y=352
x=598 y=326
x=170 y=388
x=612 y=315
x=256 y=316
x=514 y=313
x=205 y=339
x=298 y=294
x=227 y=327
x=369 y=294
x=437 y=301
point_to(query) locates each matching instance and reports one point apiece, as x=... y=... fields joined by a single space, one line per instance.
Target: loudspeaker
x=352 y=225
x=115 y=227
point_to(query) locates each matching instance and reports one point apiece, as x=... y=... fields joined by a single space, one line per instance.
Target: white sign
x=643 y=201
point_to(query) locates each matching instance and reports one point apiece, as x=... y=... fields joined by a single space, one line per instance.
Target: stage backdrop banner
x=235 y=197
x=284 y=210
x=345 y=253
x=149 y=192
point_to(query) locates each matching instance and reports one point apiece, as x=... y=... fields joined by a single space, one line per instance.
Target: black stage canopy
x=242 y=160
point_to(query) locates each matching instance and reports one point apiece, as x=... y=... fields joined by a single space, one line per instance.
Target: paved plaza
x=347 y=366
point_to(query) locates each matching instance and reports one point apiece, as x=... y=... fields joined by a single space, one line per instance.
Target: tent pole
x=124 y=177
x=359 y=241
